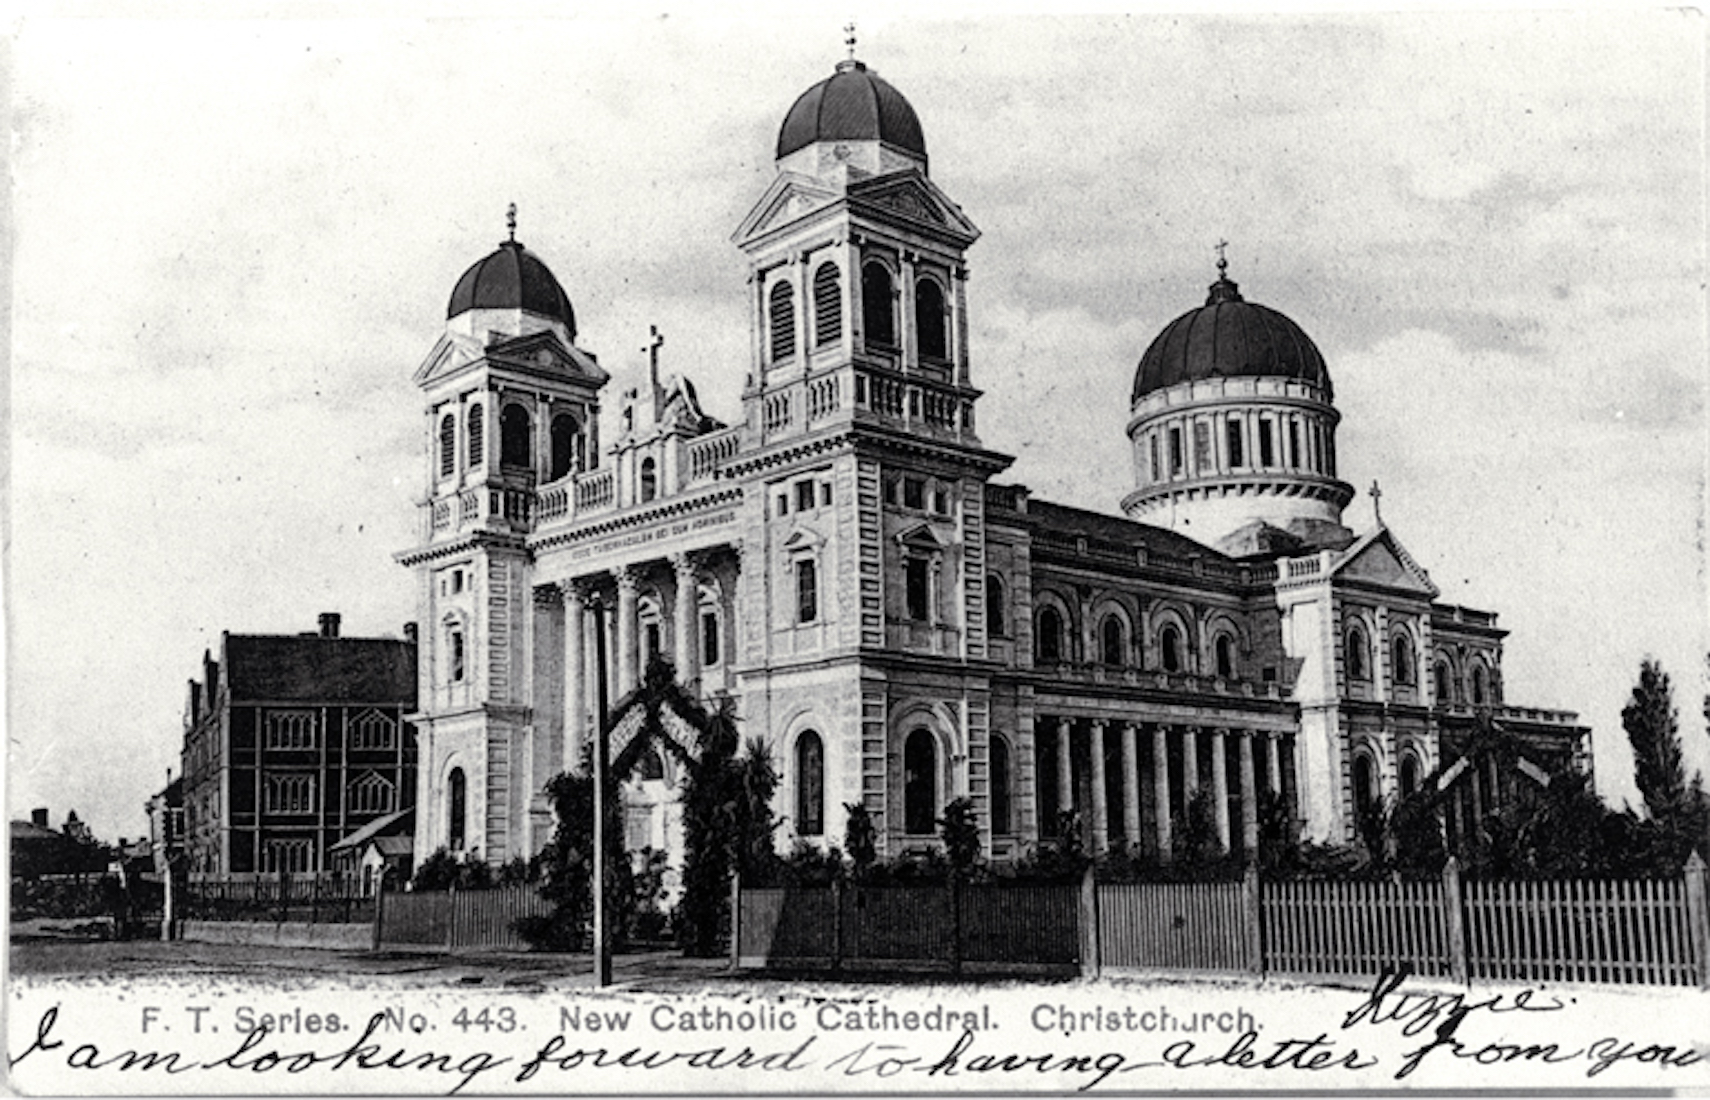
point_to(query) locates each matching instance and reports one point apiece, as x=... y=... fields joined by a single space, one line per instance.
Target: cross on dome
x=511 y=220
x=849 y=39
x=1377 y=498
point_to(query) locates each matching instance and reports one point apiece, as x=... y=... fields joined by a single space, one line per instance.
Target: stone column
x=1249 y=799
x=1273 y=762
x=626 y=623
x=1161 y=788
x=1220 y=785
x=575 y=673
x=1065 y=767
x=1190 y=765
x=1130 y=788
x=688 y=618
x=1100 y=803
x=905 y=317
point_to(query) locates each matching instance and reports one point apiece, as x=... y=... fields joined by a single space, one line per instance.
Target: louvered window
x=827 y=305
x=783 y=318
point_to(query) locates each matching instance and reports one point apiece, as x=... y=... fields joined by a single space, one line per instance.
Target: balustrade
x=709 y=452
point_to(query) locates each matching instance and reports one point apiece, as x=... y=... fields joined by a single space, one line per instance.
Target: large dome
x=512 y=278
x=1229 y=337
x=851 y=105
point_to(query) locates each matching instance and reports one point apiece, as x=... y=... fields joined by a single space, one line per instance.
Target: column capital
x=1099 y=723
x=627 y=578
x=573 y=592
x=685 y=563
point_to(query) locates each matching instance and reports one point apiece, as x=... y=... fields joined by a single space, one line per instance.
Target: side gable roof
x=1065 y=520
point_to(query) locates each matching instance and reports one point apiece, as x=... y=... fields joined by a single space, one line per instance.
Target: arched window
x=447 y=445
x=1170 y=648
x=996 y=621
x=564 y=432
x=929 y=320
x=1225 y=653
x=782 y=313
x=1001 y=823
x=454 y=651
x=1365 y=784
x=920 y=784
x=1445 y=692
x=477 y=435
x=1110 y=640
x=1050 y=641
x=457 y=798
x=650 y=765
x=710 y=654
x=827 y=305
x=807 y=591
x=516 y=437
x=1480 y=685
x=877 y=311
x=1409 y=774
x=810 y=784
x=1401 y=659
x=1358 y=665
x=649 y=480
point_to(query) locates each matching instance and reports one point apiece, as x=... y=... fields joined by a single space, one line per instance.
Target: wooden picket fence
x=456 y=920
x=1647 y=932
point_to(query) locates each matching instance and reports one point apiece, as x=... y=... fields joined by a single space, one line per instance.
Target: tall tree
x=1652 y=726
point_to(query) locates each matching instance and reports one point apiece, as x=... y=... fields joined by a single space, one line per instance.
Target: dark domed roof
x=851 y=105
x=512 y=278
x=1229 y=337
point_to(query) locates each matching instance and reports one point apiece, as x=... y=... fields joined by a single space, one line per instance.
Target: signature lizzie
x=1429 y=1027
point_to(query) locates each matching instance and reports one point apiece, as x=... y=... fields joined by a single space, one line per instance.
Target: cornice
x=664 y=509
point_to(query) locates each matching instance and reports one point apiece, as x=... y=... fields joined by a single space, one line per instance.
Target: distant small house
x=382 y=847
x=166 y=825
x=40 y=850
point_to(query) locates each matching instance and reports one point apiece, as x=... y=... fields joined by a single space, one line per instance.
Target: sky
x=233 y=240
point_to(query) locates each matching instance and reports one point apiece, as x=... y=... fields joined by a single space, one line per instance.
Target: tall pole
x=602 y=766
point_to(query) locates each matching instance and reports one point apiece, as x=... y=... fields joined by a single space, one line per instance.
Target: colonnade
x=1194 y=745
x=611 y=602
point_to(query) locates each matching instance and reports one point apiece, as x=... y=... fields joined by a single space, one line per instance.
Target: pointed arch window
x=1445 y=691
x=827 y=305
x=1409 y=774
x=920 y=784
x=1365 y=784
x=810 y=784
x=1001 y=812
x=1358 y=665
x=516 y=437
x=565 y=429
x=878 y=313
x=457 y=806
x=781 y=312
x=930 y=327
x=650 y=766
x=1170 y=648
x=477 y=435
x=1480 y=686
x=1050 y=641
x=1110 y=640
x=447 y=445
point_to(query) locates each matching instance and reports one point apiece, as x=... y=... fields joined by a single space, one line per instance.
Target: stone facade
x=899 y=628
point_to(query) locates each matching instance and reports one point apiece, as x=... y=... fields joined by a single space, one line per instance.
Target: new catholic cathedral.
x=898 y=626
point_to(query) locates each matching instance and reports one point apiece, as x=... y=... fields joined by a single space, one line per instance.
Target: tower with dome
x=897 y=625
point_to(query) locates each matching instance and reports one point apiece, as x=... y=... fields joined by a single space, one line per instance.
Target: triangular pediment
x=911 y=196
x=1380 y=559
x=921 y=537
x=790 y=196
x=546 y=353
x=450 y=354
x=803 y=539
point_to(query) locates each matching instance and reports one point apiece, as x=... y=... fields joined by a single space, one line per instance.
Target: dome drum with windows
x=1233 y=431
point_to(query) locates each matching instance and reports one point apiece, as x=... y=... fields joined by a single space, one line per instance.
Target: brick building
x=292 y=742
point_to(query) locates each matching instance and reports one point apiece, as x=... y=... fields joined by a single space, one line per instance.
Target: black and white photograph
x=798 y=551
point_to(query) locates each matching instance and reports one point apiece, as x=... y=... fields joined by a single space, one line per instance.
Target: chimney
x=38 y=817
x=329 y=624
x=410 y=633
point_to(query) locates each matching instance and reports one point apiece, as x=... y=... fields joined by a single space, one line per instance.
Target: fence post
x=1253 y=917
x=736 y=920
x=955 y=923
x=166 y=908
x=1698 y=914
x=1454 y=921
x=1089 y=924
x=451 y=919
x=379 y=906
x=837 y=923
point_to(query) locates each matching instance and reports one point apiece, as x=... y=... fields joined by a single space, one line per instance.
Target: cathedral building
x=898 y=625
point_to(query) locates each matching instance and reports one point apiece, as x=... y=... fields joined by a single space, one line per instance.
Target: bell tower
x=510 y=408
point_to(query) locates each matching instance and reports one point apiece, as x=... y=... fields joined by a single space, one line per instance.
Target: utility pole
x=602 y=765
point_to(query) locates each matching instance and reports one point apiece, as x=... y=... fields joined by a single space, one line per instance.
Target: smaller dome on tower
x=852 y=104
x=1229 y=337
x=513 y=278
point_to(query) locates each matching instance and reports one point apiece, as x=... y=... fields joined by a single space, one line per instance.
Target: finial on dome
x=511 y=220
x=1224 y=289
x=849 y=62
